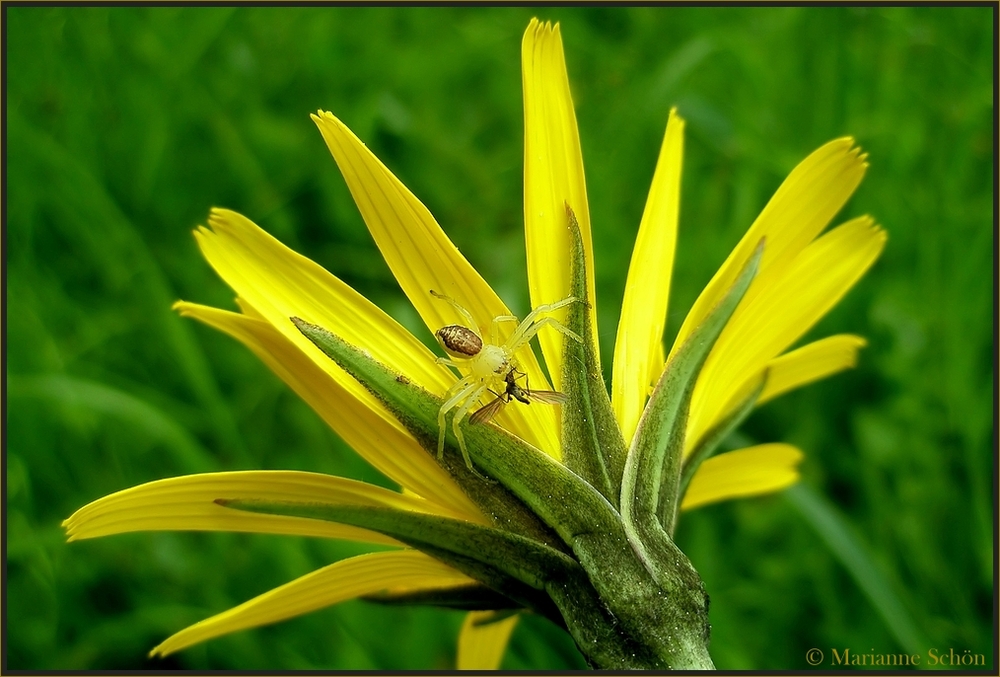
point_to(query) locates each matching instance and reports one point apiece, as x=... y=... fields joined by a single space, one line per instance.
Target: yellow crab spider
x=486 y=364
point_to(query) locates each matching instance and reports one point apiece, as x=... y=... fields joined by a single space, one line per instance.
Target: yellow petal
x=346 y=406
x=553 y=178
x=804 y=204
x=280 y=283
x=809 y=363
x=188 y=504
x=344 y=580
x=639 y=345
x=481 y=642
x=762 y=469
x=422 y=258
x=780 y=313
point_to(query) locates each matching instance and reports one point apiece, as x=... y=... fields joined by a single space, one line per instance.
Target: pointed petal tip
x=540 y=30
x=323 y=116
x=70 y=526
x=218 y=216
x=879 y=234
x=847 y=145
x=868 y=222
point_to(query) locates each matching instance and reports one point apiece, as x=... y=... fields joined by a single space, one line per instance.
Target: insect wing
x=486 y=413
x=547 y=396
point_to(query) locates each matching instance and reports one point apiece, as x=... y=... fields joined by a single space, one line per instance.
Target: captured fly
x=514 y=391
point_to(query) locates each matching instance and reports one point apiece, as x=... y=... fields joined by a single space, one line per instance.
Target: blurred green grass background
x=125 y=124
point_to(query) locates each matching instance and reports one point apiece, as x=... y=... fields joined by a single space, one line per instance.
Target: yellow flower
x=801 y=276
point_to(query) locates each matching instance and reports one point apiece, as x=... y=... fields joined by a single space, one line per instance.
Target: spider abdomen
x=459 y=341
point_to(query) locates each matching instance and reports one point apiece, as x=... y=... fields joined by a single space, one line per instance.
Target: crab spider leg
x=447 y=361
x=530 y=332
x=521 y=334
x=495 y=326
x=549 y=307
x=457 y=419
x=460 y=390
x=470 y=322
x=457 y=366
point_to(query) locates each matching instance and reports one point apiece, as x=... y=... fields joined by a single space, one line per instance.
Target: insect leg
x=470 y=322
x=459 y=391
x=525 y=334
x=457 y=420
x=518 y=336
x=495 y=327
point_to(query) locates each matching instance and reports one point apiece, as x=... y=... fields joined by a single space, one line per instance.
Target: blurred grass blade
x=91 y=218
x=835 y=532
x=106 y=400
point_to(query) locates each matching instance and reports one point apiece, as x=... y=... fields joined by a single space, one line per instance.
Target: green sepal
x=512 y=565
x=472 y=597
x=651 y=484
x=519 y=557
x=705 y=447
x=531 y=575
x=592 y=443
